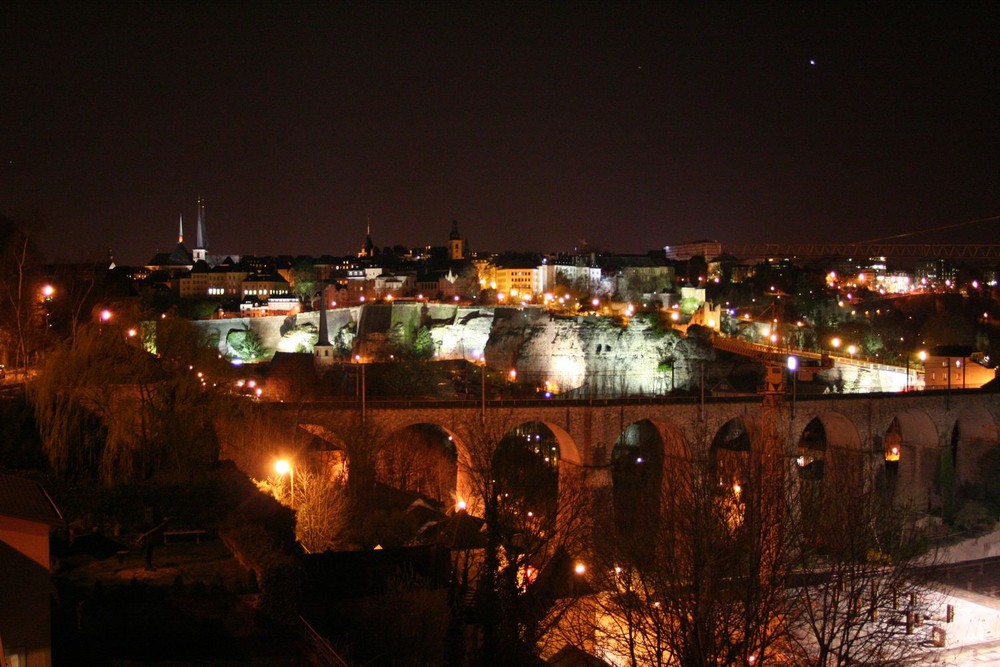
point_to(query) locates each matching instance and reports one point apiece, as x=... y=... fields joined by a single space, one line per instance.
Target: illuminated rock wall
x=596 y=356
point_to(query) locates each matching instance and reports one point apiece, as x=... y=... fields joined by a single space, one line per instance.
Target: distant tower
x=456 y=247
x=323 y=351
x=368 y=249
x=200 y=251
x=180 y=230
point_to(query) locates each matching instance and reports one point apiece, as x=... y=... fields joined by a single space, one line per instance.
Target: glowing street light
x=282 y=466
x=851 y=350
x=793 y=367
x=835 y=343
x=922 y=356
x=105 y=315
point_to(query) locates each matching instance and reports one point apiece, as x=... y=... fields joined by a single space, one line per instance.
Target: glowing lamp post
x=482 y=365
x=922 y=356
x=105 y=318
x=793 y=367
x=282 y=466
x=47 y=292
x=357 y=358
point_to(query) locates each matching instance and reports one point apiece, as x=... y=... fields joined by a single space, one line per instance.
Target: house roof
x=26 y=499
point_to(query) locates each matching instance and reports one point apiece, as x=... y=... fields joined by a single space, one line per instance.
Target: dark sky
x=534 y=125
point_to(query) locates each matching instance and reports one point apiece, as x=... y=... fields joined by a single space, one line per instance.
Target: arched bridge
x=907 y=432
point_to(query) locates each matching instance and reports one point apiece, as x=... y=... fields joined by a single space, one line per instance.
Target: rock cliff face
x=593 y=355
x=588 y=355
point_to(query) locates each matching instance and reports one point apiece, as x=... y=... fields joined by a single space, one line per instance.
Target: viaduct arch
x=832 y=436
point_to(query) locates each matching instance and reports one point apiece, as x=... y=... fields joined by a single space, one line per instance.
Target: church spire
x=200 y=252
x=368 y=249
x=202 y=235
x=324 y=336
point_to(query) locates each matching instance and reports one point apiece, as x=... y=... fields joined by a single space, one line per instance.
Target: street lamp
x=922 y=356
x=835 y=343
x=47 y=293
x=281 y=466
x=482 y=365
x=357 y=358
x=793 y=367
x=851 y=349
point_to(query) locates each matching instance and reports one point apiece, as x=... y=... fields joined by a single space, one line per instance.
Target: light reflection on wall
x=568 y=372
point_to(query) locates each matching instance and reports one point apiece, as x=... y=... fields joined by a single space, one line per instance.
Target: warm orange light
x=892 y=454
x=105 y=315
x=580 y=568
x=281 y=466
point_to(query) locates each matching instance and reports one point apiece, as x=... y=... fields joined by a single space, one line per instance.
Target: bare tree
x=697 y=574
x=525 y=582
x=16 y=261
x=863 y=581
x=322 y=510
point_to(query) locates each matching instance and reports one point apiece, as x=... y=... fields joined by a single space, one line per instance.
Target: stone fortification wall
x=593 y=354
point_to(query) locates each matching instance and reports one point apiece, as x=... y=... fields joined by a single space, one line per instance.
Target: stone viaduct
x=910 y=431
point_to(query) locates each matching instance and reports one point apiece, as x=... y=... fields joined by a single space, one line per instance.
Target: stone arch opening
x=637 y=469
x=911 y=457
x=321 y=449
x=972 y=436
x=730 y=463
x=731 y=445
x=419 y=458
x=829 y=450
x=526 y=470
x=830 y=467
x=811 y=460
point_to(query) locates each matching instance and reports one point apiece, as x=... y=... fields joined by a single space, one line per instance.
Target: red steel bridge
x=870 y=249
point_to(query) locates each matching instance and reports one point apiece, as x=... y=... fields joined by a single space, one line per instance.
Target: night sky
x=534 y=125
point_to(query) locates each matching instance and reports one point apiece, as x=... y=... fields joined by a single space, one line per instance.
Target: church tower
x=323 y=350
x=456 y=246
x=368 y=249
x=200 y=250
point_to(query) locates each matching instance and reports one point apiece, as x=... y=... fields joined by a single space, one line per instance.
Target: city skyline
x=533 y=127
